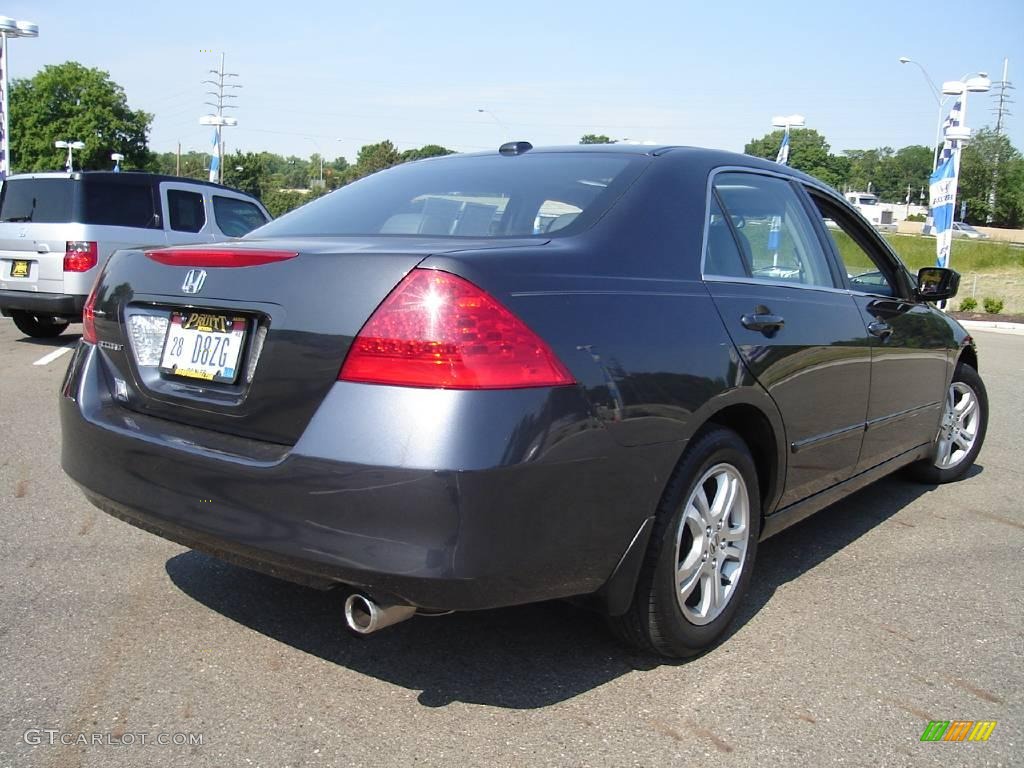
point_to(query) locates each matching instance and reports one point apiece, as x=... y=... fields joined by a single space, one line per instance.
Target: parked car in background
x=486 y=380
x=57 y=230
x=963 y=229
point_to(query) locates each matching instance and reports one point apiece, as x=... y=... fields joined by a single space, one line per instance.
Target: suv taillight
x=438 y=330
x=80 y=255
x=89 y=314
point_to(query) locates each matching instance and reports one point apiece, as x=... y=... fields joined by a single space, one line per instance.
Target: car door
x=911 y=344
x=794 y=324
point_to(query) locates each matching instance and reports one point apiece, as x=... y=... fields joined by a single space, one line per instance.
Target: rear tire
x=39 y=326
x=961 y=433
x=701 y=554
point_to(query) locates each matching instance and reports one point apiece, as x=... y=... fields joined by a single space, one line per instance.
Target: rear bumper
x=551 y=518
x=60 y=304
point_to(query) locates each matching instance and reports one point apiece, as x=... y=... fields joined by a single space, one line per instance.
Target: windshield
x=472 y=196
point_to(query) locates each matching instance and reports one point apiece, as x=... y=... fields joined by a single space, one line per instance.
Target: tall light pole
x=9 y=28
x=977 y=84
x=69 y=164
x=218 y=120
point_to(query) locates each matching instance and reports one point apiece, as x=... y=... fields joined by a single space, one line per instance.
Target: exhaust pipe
x=363 y=616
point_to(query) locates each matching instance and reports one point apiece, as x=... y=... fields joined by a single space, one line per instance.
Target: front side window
x=185 y=210
x=236 y=217
x=532 y=195
x=773 y=229
x=866 y=270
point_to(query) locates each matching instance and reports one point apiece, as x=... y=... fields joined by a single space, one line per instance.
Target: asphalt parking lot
x=900 y=605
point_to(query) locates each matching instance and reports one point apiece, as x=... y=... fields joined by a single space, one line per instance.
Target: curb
x=987 y=325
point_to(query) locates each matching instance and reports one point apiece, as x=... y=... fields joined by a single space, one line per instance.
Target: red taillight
x=218 y=257
x=89 y=314
x=438 y=330
x=79 y=255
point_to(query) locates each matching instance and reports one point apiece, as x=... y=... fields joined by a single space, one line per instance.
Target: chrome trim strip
x=828 y=437
x=880 y=420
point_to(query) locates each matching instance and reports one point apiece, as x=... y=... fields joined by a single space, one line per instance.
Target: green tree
x=193 y=165
x=596 y=138
x=808 y=152
x=247 y=171
x=373 y=158
x=72 y=102
x=429 y=150
x=991 y=156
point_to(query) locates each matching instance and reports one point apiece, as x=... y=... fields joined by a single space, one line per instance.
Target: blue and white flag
x=783 y=157
x=117 y=166
x=215 y=155
x=949 y=147
x=943 y=199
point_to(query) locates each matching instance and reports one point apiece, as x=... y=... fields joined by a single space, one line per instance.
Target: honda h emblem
x=194 y=280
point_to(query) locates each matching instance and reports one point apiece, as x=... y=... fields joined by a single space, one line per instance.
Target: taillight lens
x=89 y=314
x=218 y=257
x=439 y=330
x=80 y=255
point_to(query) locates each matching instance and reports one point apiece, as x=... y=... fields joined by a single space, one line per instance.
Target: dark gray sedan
x=485 y=380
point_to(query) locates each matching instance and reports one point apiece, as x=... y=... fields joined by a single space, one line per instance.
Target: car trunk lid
x=280 y=326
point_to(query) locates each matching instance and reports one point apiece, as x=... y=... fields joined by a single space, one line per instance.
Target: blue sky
x=702 y=73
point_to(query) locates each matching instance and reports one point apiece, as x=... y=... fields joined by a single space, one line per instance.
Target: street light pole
x=69 y=164
x=9 y=28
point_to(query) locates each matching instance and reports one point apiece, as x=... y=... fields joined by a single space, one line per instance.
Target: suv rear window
x=473 y=196
x=47 y=201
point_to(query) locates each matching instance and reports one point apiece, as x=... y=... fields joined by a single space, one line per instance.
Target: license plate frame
x=221 y=363
x=20 y=268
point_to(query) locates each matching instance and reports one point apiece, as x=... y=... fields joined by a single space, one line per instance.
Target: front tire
x=39 y=326
x=701 y=554
x=961 y=432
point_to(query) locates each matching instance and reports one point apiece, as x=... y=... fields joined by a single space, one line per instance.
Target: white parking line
x=49 y=358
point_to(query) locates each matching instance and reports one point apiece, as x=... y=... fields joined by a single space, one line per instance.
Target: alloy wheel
x=959 y=429
x=711 y=543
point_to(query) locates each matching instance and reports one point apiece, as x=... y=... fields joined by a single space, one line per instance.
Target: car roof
x=124 y=177
x=679 y=152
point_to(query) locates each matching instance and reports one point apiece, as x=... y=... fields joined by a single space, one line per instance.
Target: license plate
x=203 y=345
x=19 y=269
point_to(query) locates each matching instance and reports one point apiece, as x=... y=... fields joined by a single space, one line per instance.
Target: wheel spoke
x=725 y=496
x=701 y=506
x=688 y=576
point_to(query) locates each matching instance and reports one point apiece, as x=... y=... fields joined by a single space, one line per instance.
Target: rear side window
x=185 y=210
x=236 y=217
x=773 y=229
x=531 y=195
x=722 y=256
x=119 y=204
x=47 y=201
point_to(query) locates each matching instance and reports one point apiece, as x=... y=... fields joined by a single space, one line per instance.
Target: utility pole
x=177 y=161
x=218 y=119
x=1002 y=110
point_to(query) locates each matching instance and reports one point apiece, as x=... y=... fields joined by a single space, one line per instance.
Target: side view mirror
x=937 y=283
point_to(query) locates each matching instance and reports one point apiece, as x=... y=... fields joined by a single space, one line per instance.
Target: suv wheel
x=39 y=326
x=701 y=553
x=961 y=432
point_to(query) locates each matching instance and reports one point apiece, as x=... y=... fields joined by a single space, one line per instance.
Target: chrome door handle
x=766 y=323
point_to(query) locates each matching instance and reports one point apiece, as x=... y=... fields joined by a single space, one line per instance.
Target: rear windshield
x=48 y=201
x=84 y=201
x=481 y=196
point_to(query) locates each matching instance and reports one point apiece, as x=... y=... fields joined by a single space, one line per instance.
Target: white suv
x=57 y=230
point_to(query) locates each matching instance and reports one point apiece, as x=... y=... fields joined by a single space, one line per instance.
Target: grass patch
x=967 y=255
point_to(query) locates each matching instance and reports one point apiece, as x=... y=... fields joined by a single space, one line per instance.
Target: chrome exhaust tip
x=364 y=616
